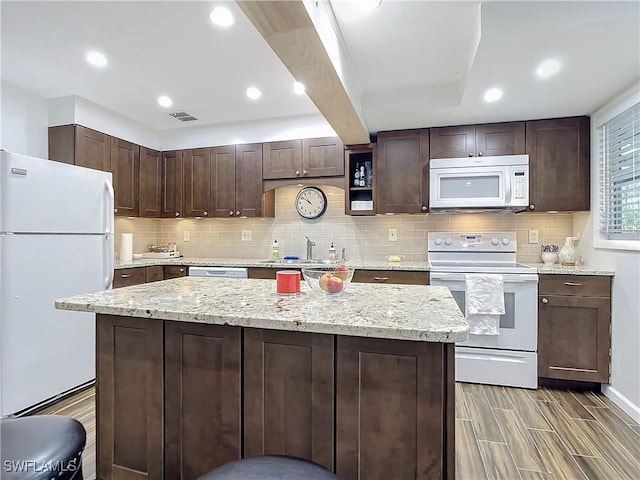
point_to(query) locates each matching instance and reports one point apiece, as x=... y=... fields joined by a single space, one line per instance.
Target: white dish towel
x=484 y=299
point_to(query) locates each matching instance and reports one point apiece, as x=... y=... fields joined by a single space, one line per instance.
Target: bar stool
x=270 y=467
x=42 y=447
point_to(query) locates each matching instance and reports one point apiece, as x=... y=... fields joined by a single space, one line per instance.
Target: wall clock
x=311 y=202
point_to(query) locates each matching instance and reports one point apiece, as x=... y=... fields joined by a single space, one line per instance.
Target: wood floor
x=501 y=433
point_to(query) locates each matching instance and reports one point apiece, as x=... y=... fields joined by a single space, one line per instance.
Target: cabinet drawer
x=175 y=271
x=391 y=276
x=592 y=286
x=154 y=274
x=128 y=276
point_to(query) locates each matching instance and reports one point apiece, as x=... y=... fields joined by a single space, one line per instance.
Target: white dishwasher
x=219 y=272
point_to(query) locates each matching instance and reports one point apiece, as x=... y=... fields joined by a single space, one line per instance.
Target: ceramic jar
x=568 y=253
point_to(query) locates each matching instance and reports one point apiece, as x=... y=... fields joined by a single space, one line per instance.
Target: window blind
x=619 y=157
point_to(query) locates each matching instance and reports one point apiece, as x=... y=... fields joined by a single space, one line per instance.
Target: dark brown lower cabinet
x=395 y=409
x=288 y=395
x=202 y=398
x=129 y=398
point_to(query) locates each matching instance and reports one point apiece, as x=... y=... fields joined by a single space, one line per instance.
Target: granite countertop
x=558 y=269
x=405 y=312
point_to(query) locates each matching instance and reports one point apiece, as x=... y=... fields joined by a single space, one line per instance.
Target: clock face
x=311 y=202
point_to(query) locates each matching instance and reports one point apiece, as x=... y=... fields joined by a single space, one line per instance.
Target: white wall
x=23 y=124
x=624 y=388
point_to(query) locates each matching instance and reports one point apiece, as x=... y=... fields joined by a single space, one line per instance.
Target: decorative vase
x=549 y=258
x=568 y=253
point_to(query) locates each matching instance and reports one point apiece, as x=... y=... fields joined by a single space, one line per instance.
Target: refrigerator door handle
x=107 y=254
x=108 y=208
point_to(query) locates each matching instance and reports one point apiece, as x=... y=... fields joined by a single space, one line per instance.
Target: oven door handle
x=512 y=278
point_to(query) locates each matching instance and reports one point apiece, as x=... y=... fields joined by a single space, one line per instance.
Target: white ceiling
x=418 y=64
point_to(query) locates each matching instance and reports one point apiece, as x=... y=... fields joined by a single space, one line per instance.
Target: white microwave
x=479 y=183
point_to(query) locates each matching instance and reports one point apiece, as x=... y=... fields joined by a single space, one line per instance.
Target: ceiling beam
x=289 y=31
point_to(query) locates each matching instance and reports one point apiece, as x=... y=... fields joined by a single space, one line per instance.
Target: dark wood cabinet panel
x=197 y=182
x=172 y=184
x=452 y=142
x=154 y=273
x=391 y=276
x=402 y=172
x=288 y=395
x=322 y=157
x=500 y=139
x=223 y=181
x=281 y=159
x=150 y=187
x=125 y=167
x=175 y=271
x=77 y=145
x=582 y=285
x=250 y=200
x=559 y=170
x=125 y=277
x=202 y=398
x=129 y=398
x=62 y=147
x=391 y=396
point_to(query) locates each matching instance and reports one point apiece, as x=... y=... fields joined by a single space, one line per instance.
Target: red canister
x=288 y=282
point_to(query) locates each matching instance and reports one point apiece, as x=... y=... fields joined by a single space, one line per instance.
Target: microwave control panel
x=520 y=182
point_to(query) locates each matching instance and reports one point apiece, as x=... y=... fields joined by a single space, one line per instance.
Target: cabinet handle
x=181 y=270
x=572 y=284
x=480 y=154
x=532 y=207
x=381 y=279
x=544 y=300
x=304 y=172
x=297 y=173
x=125 y=275
x=238 y=213
x=231 y=213
x=177 y=214
x=471 y=154
x=424 y=208
x=115 y=210
x=206 y=214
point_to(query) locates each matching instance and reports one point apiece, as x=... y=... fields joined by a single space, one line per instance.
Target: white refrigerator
x=56 y=240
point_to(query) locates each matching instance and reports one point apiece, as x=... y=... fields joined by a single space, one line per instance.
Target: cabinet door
x=125 y=277
x=452 y=142
x=196 y=199
x=150 y=182
x=249 y=196
x=402 y=172
x=223 y=181
x=172 y=184
x=154 y=273
x=175 y=271
x=62 y=147
x=391 y=276
x=282 y=159
x=288 y=395
x=500 y=139
x=93 y=150
x=322 y=157
x=202 y=398
x=129 y=398
x=559 y=170
x=573 y=338
x=395 y=409
x=125 y=166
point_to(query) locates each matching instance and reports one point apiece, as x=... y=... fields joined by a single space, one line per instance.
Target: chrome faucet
x=310 y=245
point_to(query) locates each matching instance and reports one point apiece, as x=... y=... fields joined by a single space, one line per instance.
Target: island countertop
x=403 y=312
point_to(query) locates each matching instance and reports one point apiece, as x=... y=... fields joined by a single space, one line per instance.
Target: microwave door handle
x=507 y=193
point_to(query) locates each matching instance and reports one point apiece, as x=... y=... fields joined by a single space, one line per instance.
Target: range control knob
x=494 y=241
x=438 y=241
x=447 y=241
x=505 y=241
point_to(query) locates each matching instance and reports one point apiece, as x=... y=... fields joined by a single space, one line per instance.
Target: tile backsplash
x=364 y=238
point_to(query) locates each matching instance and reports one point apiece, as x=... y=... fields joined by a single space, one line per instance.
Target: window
x=619 y=165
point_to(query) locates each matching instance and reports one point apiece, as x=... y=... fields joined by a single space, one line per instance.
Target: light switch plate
x=187 y=236
x=247 y=235
x=393 y=235
x=533 y=236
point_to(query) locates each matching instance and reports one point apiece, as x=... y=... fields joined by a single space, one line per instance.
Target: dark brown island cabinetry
x=309 y=157
x=172 y=184
x=559 y=170
x=125 y=167
x=125 y=277
x=175 y=271
x=574 y=318
x=478 y=140
x=80 y=146
x=360 y=200
x=402 y=172
x=150 y=186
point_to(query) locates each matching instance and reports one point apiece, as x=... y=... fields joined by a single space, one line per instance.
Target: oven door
x=519 y=324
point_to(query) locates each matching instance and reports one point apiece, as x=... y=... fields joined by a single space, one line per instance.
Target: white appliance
x=479 y=183
x=509 y=358
x=56 y=240
x=219 y=272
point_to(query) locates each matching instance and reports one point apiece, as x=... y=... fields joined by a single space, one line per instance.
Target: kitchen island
x=193 y=373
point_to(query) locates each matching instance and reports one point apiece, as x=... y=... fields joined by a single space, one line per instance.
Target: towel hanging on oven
x=484 y=300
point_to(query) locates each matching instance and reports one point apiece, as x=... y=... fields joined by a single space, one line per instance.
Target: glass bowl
x=332 y=281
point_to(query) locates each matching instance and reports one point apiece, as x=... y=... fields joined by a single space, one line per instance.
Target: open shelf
x=360 y=200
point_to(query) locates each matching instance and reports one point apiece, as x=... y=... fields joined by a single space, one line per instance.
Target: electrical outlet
x=247 y=235
x=393 y=235
x=533 y=236
x=187 y=236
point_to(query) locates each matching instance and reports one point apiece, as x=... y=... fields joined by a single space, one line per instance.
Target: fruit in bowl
x=330 y=281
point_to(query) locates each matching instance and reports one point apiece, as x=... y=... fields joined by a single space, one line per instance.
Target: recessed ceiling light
x=298 y=87
x=492 y=95
x=96 y=59
x=165 y=101
x=222 y=17
x=253 y=93
x=548 y=68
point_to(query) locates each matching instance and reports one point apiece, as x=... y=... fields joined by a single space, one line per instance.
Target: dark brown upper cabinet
x=402 y=172
x=196 y=191
x=172 y=184
x=77 y=145
x=478 y=140
x=224 y=181
x=360 y=200
x=125 y=167
x=150 y=183
x=559 y=170
x=311 y=157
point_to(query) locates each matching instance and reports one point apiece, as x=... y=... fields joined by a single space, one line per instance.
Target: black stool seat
x=270 y=467
x=42 y=447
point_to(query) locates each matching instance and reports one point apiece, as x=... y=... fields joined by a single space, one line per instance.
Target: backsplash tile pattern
x=364 y=238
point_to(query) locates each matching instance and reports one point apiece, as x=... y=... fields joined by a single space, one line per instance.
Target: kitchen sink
x=301 y=262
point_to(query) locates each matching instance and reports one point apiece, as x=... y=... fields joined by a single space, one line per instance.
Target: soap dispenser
x=332 y=252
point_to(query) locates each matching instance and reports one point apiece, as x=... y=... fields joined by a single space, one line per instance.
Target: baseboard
x=623 y=402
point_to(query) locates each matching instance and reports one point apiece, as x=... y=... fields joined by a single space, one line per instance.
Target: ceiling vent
x=183 y=116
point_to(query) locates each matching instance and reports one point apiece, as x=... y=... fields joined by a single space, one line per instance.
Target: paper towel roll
x=126 y=247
